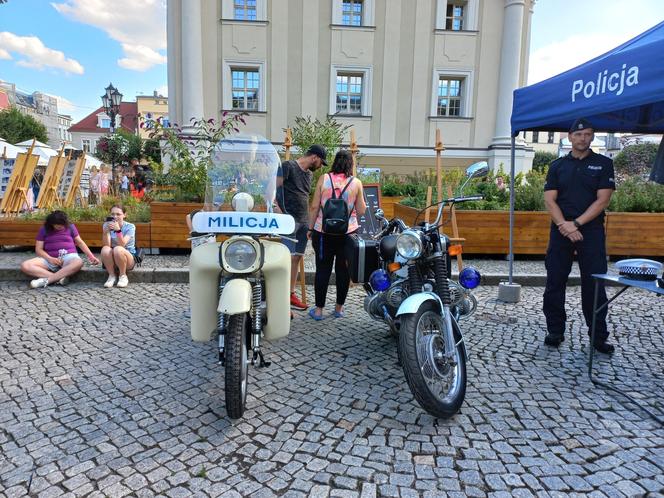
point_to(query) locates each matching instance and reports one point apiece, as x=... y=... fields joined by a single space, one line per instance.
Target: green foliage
x=529 y=192
x=134 y=145
x=635 y=160
x=152 y=150
x=16 y=127
x=190 y=155
x=112 y=149
x=542 y=160
x=329 y=133
x=638 y=196
x=137 y=211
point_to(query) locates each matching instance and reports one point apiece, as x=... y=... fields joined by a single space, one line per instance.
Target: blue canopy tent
x=620 y=91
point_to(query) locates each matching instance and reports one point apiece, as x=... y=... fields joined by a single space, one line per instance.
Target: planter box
x=635 y=234
x=15 y=232
x=387 y=205
x=169 y=225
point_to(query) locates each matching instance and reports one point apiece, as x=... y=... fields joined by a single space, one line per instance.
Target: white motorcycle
x=240 y=287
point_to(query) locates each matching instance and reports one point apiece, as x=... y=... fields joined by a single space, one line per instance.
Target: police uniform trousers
x=591 y=255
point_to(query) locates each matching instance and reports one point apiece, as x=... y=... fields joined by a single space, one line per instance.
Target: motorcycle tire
x=237 y=368
x=424 y=374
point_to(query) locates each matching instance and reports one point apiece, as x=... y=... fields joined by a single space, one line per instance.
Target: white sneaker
x=110 y=282
x=39 y=282
x=123 y=281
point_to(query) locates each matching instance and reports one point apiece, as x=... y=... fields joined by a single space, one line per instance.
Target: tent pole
x=511 y=255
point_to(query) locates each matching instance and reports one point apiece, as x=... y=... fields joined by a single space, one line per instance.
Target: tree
x=16 y=127
x=542 y=160
x=635 y=161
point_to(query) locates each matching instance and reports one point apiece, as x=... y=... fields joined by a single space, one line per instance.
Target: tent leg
x=510 y=292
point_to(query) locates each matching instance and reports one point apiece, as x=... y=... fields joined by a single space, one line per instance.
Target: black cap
x=318 y=150
x=580 y=124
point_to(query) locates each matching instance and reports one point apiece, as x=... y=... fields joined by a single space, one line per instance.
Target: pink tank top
x=349 y=196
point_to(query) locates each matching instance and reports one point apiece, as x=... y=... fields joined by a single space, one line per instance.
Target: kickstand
x=262 y=363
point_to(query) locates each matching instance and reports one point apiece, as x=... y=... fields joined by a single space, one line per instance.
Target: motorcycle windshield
x=242 y=188
x=242 y=175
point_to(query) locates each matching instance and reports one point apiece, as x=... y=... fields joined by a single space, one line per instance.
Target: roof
x=128 y=111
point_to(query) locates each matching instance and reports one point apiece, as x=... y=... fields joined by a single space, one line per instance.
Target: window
x=350 y=90
x=550 y=138
x=449 y=96
x=351 y=12
x=244 y=10
x=454 y=16
x=245 y=89
x=85 y=145
x=536 y=137
x=349 y=93
x=457 y=15
x=105 y=122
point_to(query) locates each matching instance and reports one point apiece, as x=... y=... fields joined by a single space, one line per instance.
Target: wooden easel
x=74 y=191
x=288 y=143
x=19 y=182
x=455 y=239
x=48 y=194
x=353 y=150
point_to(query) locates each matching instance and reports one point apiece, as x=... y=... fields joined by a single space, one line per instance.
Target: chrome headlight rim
x=415 y=238
x=225 y=258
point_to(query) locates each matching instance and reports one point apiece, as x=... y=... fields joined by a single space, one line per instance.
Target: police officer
x=578 y=188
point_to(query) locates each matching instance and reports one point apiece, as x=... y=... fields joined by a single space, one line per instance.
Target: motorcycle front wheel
x=237 y=369
x=439 y=386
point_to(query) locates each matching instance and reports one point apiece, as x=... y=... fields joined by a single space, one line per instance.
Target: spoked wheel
x=237 y=368
x=438 y=384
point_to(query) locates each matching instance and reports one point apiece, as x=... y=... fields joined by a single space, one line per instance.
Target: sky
x=72 y=49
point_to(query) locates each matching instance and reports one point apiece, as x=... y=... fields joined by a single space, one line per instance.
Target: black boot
x=604 y=347
x=554 y=340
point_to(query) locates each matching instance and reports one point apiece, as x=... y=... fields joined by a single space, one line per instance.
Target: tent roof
x=28 y=143
x=621 y=90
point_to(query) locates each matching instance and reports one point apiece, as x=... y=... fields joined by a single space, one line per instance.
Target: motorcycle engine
x=397 y=293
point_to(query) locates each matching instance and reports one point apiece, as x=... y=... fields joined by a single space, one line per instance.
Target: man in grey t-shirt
x=295 y=186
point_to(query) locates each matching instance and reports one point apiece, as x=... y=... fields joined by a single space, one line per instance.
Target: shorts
x=300 y=233
x=68 y=257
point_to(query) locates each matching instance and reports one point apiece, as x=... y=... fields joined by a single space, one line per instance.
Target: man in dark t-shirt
x=294 y=184
x=578 y=188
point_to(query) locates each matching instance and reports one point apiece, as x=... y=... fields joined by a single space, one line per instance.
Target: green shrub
x=542 y=160
x=638 y=196
x=635 y=161
x=529 y=193
x=137 y=211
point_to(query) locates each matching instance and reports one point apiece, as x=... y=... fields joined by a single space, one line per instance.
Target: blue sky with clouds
x=72 y=49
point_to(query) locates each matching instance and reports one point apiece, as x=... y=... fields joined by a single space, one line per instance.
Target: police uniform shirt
x=577 y=182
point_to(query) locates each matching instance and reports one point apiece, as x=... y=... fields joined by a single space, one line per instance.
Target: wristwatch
x=577 y=224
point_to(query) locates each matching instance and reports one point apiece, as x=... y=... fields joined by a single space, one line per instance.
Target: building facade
x=40 y=106
x=151 y=108
x=394 y=70
x=86 y=133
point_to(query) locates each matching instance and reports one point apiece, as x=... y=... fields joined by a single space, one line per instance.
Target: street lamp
x=111 y=101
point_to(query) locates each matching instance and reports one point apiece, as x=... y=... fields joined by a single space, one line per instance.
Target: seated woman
x=57 y=258
x=118 y=247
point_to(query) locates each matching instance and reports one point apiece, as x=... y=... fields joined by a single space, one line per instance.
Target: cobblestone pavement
x=104 y=394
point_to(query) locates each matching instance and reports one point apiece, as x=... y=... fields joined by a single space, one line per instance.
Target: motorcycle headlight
x=241 y=255
x=409 y=244
x=242 y=201
x=470 y=277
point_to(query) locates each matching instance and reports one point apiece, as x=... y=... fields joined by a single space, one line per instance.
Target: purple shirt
x=58 y=239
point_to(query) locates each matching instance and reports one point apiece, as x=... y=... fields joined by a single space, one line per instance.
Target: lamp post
x=111 y=101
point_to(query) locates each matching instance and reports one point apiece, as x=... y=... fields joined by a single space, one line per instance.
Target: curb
x=181 y=276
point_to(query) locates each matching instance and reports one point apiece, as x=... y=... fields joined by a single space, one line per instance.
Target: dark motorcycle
x=406 y=274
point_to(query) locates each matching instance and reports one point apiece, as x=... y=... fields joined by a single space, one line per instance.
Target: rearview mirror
x=477 y=170
x=379 y=214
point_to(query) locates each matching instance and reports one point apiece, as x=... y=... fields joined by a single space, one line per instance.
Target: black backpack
x=336 y=212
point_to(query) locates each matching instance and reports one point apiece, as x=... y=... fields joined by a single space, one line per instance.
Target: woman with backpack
x=338 y=200
x=57 y=258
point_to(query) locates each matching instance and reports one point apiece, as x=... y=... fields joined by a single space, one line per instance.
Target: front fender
x=413 y=303
x=235 y=298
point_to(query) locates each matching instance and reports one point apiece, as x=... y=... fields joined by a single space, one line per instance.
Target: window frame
x=228 y=11
x=227 y=83
x=466 y=104
x=470 y=16
x=368 y=14
x=366 y=73
x=535 y=137
x=550 y=139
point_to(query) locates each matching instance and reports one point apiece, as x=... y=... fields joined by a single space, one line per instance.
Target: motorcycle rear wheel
x=438 y=386
x=237 y=368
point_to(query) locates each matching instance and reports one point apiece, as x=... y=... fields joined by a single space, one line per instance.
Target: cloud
x=163 y=90
x=36 y=54
x=140 y=57
x=139 y=26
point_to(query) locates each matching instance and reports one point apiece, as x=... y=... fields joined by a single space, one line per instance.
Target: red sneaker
x=296 y=303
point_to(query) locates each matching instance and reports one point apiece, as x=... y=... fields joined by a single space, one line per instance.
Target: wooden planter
x=14 y=232
x=387 y=204
x=169 y=225
x=635 y=234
